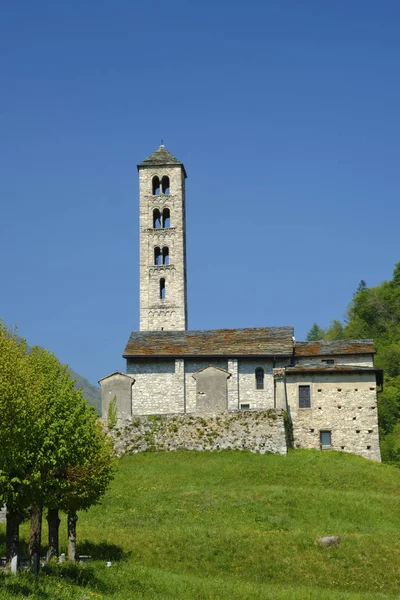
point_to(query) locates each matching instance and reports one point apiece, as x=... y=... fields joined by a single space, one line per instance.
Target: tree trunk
x=53 y=521
x=35 y=538
x=72 y=519
x=12 y=534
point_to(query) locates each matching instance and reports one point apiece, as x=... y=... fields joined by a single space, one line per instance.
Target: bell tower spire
x=163 y=302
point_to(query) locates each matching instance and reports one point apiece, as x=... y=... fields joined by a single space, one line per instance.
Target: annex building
x=328 y=389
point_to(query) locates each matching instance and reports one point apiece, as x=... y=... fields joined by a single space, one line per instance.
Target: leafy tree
x=86 y=476
x=47 y=431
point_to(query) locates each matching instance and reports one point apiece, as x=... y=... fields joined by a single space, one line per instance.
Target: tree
x=315 y=334
x=90 y=468
x=335 y=331
x=17 y=434
x=47 y=430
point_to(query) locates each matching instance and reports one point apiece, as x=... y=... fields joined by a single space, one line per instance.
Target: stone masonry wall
x=248 y=394
x=169 y=313
x=156 y=388
x=359 y=360
x=344 y=404
x=261 y=431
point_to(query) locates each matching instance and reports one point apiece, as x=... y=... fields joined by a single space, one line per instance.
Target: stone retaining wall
x=257 y=431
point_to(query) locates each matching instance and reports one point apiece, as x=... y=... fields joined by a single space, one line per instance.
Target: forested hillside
x=91 y=392
x=375 y=313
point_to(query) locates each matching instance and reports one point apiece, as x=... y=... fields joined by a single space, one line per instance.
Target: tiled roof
x=161 y=157
x=266 y=341
x=336 y=347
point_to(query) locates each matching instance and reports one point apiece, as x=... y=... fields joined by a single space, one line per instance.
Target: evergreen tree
x=315 y=334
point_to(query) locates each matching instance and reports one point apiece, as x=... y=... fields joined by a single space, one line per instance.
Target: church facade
x=328 y=389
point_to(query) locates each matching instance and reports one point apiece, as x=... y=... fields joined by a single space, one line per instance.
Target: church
x=327 y=389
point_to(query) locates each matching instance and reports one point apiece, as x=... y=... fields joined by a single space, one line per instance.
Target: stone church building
x=328 y=389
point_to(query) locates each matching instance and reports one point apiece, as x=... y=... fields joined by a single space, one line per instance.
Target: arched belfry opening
x=157 y=256
x=165 y=255
x=156 y=185
x=162 y=289
x=166 y=218
x=165 y=185
x=156 y=219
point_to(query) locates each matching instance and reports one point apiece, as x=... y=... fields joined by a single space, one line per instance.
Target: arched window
x=165 y=255
x=162 y=289
x=156 y=186
x=259 y=373
x=157 y=256
x=166 y=221
x=156 y=219
x=165 y=185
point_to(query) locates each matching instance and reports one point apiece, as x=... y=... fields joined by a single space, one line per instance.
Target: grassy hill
x=233 y=525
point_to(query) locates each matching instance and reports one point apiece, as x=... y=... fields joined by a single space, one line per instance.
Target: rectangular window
x=304 y=396
x=325 y=439
x=259 y=379
x=328 y=361
x=245 y=407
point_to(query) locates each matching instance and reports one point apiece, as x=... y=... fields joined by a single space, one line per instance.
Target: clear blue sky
x=286 y=116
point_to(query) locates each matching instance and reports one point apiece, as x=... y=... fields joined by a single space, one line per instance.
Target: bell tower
x=163 y=303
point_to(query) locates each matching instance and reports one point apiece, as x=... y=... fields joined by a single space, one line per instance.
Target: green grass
x=234 y=525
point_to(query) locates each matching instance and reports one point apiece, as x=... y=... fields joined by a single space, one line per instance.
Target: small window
x=304 y=396
x=259 y=373
x=328 y=361
x=162 y=289
x=166 y=221
x=165 y=185
x=156 y=186
x=156 y=219
x=325 y=439
x=165 y=255
x=245 y=407
x=157 y=256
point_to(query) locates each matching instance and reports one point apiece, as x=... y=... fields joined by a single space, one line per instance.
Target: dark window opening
x=304 y=396
x=157 y=256
x=165 y=255
x=245 y=407
x=328 y=361
x=166 y=221
x=156 y=186
x=162 y=289
x=325 y=439
x=156 y=219
x=165 y=185
x=259 y=373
